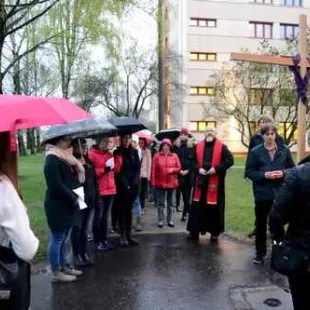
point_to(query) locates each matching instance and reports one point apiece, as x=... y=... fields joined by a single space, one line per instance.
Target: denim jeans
x=57 y=252
x=137 y=207
x=163 y=196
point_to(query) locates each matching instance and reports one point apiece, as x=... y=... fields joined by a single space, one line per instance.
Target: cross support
x=288 y=61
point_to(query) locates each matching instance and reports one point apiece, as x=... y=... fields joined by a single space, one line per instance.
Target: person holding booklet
x=89 y=199
x=63 y=174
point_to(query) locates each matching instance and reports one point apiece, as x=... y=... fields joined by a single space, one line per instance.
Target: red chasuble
x=213 y=184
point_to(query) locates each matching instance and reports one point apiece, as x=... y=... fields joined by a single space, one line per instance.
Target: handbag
x=10 y=266
x=289 y=260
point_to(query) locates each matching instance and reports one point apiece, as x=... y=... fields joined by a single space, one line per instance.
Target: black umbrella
x=127 y=125
x=81 y=129
x=171 y=134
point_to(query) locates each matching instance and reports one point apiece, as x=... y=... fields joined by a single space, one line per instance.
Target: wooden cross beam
x=288 y=61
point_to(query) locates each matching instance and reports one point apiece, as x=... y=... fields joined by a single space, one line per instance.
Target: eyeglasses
x=270 y=133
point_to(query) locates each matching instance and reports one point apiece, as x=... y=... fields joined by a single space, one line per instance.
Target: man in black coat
x=264 y=166
x=257 y=139
x=186 y=161
x=127 y=178
x=292 y=207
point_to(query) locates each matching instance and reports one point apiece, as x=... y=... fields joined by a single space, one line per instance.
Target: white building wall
x=232 y=34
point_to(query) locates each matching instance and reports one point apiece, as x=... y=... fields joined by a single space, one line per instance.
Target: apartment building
x=204 y=33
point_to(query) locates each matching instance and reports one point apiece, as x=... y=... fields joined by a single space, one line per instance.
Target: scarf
x=213 y=183
x=67 y=156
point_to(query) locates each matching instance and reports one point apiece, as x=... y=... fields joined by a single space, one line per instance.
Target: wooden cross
x=288 y=61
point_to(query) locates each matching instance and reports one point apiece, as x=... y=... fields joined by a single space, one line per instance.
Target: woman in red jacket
x=103 y=160
x=165 y=170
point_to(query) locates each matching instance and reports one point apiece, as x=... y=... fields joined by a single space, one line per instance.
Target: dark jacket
x=185 y=155
x=60 y=200
x=292 y=206
x=257 y=139
x=127 y=170
x=91 y=190
x=259 y=162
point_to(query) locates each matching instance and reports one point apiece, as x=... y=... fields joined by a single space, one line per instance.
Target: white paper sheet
x=80 y=192
x=82 y=204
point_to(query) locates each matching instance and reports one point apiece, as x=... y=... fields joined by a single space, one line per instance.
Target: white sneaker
x=59 y=276
x=71 y=271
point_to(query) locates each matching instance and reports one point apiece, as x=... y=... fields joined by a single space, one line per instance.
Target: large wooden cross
x=288 y=61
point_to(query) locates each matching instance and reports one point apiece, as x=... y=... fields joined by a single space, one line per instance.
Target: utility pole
x=161 y=65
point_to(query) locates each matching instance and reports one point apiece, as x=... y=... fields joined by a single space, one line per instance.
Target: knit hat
x=184 y=131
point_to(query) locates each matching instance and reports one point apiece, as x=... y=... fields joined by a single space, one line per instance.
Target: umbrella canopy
x=126 y=124
x=81 y=129
x=168 y=134
x=143 y=135
x=21 y=112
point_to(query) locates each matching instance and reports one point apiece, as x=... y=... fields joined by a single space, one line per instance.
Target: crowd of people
x=117 y=180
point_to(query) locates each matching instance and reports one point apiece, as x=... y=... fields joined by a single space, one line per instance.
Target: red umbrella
x=21 y=112
x=143 y=135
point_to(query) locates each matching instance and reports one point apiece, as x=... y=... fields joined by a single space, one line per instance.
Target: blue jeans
x=137 y=207
x=57 y=252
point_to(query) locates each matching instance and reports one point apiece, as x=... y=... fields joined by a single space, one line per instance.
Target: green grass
x=239 y=200
x=33 y=187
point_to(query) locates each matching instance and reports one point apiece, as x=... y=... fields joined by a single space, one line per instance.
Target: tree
x=77 y=23
x=123 y=88
x=14 y=17
x=246 y=90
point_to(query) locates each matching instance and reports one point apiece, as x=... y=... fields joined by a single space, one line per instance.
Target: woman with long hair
x=63 y=174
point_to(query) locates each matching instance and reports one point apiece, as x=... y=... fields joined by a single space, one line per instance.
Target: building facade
x=204 y=33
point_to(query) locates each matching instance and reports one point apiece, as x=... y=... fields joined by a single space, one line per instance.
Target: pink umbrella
x=143 y=135
x=21 y=112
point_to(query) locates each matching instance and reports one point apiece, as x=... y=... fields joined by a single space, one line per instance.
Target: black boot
x=87 y=260
x=131 y=241
x=123 y=242
x=193 y=237
x=78 y=261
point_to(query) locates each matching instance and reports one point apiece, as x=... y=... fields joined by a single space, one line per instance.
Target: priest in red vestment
x=207 y=212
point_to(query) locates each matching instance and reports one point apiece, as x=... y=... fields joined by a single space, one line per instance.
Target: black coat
x=92 y=196
x=60 y=200
x=259 y=162
x=257 y=139
x=187 y=159
x=292 y=206
x=128 y=179
x=207 y=218
x=186 y=156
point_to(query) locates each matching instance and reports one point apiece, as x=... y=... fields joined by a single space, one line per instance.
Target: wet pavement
x=164 y=272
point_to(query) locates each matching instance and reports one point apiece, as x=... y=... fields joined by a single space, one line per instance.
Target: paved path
x=164 y=272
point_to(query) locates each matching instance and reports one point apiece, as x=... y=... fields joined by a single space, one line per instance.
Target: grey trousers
x=164 y=195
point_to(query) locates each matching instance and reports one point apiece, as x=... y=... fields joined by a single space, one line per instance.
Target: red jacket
x=165 y=170
x=105 y=176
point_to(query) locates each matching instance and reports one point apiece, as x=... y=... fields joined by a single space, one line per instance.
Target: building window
x=200 y=126
x=261 y=96
x=286 y=129
x=202 y=91
x=261 y=30
x=291 y=2
x=288 y=31
x=203 y=56
x=203 y=22
x=264 y=1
